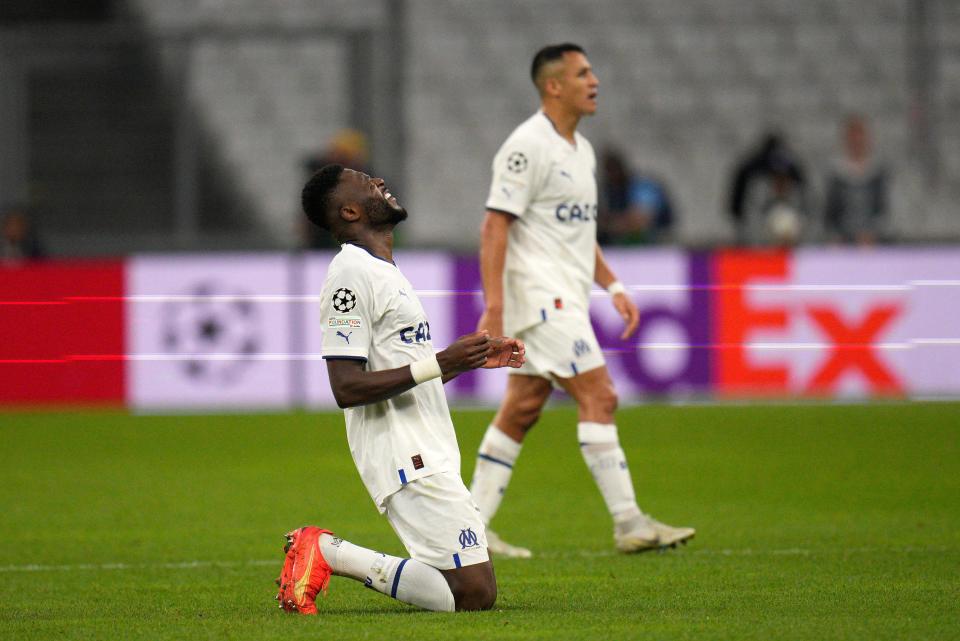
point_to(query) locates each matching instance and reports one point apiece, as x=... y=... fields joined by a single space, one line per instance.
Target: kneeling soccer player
x=384 y=372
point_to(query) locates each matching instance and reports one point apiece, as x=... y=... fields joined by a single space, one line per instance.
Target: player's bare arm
x=624 y=305
x=493 y=252
x=353 y=385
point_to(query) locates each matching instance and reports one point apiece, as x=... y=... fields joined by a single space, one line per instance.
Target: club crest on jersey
x=344 y=300
x=517 y=162
x=581 y=347
x=468 y=539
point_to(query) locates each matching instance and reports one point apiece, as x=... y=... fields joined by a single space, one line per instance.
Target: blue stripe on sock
x=456 y=560
x=403 y=476
x=487 y=457
x=396 y=578
x=543 y=314
x=573 y=366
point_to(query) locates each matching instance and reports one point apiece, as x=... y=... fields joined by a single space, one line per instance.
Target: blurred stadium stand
x=181 y=124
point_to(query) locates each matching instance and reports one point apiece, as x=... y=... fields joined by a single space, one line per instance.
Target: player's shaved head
x=318 y=197
x=548 y=63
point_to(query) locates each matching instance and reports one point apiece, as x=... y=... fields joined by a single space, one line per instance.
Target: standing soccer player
x=384 y=372
x=538 y=259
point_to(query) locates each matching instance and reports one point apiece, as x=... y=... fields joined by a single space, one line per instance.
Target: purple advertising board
x=243 y=331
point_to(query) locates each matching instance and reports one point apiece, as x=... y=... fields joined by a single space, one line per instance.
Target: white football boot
x=636 y=535
x=499 y=547
x=670 y=536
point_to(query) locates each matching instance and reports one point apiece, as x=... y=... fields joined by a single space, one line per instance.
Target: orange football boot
x=305 y=572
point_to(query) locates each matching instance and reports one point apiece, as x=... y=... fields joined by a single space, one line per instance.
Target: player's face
x=380 y=205
x=579 y=85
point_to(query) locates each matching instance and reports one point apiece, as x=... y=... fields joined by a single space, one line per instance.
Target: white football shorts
x=562 y=346
x=438 y=522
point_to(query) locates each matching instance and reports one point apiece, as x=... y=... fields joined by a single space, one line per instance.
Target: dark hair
x=315 y=197
x=549 y=54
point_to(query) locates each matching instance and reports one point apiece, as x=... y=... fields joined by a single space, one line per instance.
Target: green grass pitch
x=814 y=522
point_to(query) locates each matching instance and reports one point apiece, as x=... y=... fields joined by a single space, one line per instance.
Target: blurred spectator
x=856 y=206
x=19 y=240
x=784 y=213
x=348 y=147
x=634 y=209
x=768 y=201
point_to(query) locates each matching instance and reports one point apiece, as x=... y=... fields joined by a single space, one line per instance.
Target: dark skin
x=365 y=215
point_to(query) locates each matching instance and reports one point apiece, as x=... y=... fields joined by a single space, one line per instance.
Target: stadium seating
x=686 y=87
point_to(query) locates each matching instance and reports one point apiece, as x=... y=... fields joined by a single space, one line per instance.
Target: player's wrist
x=616 y=287
x=425 y=369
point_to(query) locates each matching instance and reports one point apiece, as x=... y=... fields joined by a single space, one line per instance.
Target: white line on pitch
x=191 y=565
x=692 y=549
x=176 y=565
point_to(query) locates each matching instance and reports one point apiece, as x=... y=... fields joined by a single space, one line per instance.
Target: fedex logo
x=749 y=332
x=747 y=323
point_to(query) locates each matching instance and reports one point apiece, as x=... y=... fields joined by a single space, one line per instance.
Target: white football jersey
x=551 y=187
x=371 y=313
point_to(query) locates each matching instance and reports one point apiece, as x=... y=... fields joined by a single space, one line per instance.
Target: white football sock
x=405 y=580
x=495 y=458
x=600 y=446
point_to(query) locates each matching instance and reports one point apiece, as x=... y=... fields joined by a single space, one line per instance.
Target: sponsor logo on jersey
x=353 y=322
x=576 y=212
x=468 y=539
x=345 y=337
x=416 y=334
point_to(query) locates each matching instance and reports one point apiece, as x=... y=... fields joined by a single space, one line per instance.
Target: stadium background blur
x=130 y=125
x=169 y=140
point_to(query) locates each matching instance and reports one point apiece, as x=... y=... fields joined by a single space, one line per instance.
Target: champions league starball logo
x=344 y=300
x=516 y=162
x=213 y=334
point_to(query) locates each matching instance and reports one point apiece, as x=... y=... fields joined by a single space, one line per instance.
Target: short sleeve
x=516 y=172
x=347 y=312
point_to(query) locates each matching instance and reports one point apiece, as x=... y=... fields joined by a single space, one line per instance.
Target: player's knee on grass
x=474 y=587
x=476 y=596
